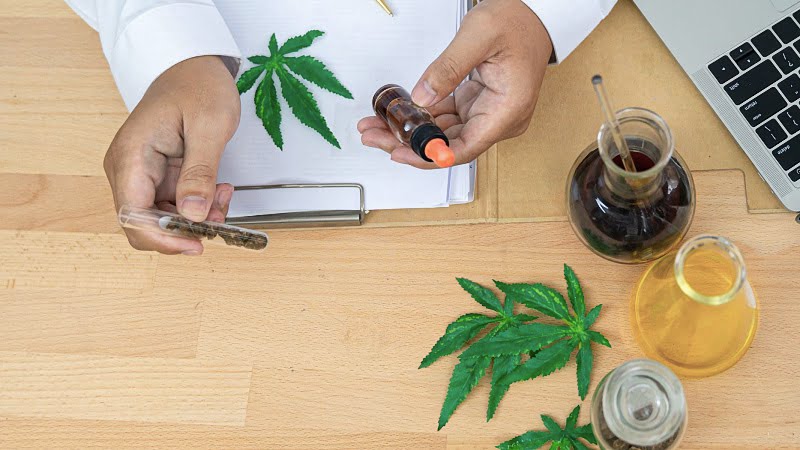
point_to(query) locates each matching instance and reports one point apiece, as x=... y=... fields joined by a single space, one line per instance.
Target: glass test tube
x=170 y=224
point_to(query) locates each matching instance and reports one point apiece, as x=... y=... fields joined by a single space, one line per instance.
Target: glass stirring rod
x=613 y=124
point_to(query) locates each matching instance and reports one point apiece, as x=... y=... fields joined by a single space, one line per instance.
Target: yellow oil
x=693 y=338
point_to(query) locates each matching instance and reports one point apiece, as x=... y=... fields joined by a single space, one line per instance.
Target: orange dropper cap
x=438 y=151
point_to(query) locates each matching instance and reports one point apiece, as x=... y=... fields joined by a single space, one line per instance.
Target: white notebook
x=365 y=48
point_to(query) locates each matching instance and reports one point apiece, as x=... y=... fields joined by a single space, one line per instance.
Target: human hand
x=505 y=47
x=167 y=152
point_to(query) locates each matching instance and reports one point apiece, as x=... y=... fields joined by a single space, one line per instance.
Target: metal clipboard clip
x=304 y=219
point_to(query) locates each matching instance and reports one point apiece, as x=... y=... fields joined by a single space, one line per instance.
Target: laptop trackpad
x=783 y=5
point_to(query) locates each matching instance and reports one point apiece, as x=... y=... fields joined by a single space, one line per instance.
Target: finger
x=222 y=200
x=379 y=138
x=197 y=182
x=400 y=153
x=132 y=171
x=454 y=132
x=466 y=95
x=446 y=106
x=134 y=188
x=371 y=122
x=464 y=53
x=447 y=121
x=225 y=202
x=167 y=206
x=471 y=143
x=404 y=155
x=165 y=192
x=168 y=245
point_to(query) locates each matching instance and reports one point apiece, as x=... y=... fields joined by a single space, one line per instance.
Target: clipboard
x=482 y=209
x=304 y=219
x=357 y=217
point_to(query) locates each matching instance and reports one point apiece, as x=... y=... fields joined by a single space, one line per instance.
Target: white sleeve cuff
x=568 y=22
x=162 y=37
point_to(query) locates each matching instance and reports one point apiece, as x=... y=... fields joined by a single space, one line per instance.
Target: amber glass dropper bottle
x=413 y=125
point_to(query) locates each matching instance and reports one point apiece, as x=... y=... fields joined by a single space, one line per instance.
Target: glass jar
x=694 y=310
x=631 y=217
x=639 y=406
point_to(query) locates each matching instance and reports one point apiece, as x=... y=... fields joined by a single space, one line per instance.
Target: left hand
x=505 y=47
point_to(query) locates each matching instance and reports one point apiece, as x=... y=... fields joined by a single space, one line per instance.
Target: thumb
x=470 y=47
x=197 y=182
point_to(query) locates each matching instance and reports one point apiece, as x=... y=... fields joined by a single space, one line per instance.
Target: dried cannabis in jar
x=639 y=406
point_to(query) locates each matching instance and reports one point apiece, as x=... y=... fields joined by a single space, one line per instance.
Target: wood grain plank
x=61 y=144
x=39 y=42
x=35 y=90
x=72 y=203
x=35 y=8
x=93 y=434
x=156 y=323
x=48 y=260
x=124 y=389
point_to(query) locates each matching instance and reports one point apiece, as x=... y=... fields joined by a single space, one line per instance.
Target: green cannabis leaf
x=515 y=348
x=468 y=373
x=566 y=439
x=555 y=350
x=297 y=96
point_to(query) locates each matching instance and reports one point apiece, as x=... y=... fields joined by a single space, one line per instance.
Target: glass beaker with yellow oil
x=694 y=309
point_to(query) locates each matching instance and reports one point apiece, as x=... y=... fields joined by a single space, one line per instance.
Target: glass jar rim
x=642 y=114
x=730 y=249
x=619 y=420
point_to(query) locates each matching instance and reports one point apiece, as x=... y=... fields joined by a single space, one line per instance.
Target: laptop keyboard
x=761 y=77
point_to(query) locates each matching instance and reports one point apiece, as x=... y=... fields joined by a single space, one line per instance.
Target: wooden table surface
x=316 y=343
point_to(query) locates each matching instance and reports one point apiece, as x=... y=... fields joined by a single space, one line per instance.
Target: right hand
x=167 y=152
x=506 y=48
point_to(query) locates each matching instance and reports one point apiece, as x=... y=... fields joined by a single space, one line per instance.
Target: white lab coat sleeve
x=143 y=38
x=569 y=22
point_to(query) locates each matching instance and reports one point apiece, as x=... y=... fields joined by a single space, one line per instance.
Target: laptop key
x=787 y=30
x=787 y=59
x=741 y=51
x=788 y=154
x=763 y=107
x=766 y=43
x=795 y=174
x=790 y=119
x=752 y=82
x=771 y=133
x=749 y=60
x=790 y=87
x=723 y=69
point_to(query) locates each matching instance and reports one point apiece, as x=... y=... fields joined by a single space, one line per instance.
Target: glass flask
x=631 y=217
x=639 y=406
x=694 y=310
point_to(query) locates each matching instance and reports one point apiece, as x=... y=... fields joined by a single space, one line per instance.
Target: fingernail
x=424 y=94
x=194 y=206
x=191 y=253
x=223 y=197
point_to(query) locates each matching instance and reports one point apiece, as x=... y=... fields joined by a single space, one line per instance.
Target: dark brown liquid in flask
x=631 y=218
x=412 y=125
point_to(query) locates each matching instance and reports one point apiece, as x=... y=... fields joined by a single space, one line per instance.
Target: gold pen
x=385 y=7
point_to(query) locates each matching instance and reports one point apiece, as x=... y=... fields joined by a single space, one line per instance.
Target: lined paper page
x=366 y=49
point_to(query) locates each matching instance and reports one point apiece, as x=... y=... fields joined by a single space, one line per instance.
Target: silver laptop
x=744 y=56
